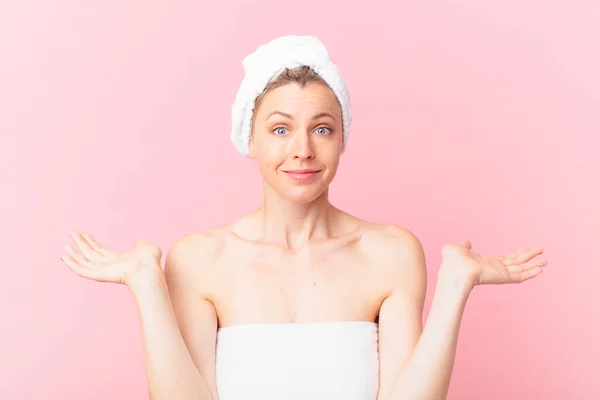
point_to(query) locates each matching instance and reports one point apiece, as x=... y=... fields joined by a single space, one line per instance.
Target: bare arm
x=171 y=370
x=417 y=363
x=427 y=374
x=401 y=313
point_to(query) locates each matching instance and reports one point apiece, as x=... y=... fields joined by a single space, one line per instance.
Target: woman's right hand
x=103 y=265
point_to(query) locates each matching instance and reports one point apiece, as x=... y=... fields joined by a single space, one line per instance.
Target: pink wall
x=472 y=120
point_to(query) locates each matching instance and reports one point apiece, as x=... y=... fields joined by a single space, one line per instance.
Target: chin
x=303 y=194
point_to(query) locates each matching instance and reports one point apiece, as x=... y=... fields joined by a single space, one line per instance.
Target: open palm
x=484 y=269
x=95 y=262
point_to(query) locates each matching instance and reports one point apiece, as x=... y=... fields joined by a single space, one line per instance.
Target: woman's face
x=297 y=140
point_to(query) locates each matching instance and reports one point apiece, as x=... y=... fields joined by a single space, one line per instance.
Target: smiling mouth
x=303 y=171
x=302 y=175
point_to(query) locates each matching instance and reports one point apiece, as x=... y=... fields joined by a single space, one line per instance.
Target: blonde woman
x=298 y=299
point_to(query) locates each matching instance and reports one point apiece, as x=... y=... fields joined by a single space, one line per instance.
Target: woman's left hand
x=482 y=269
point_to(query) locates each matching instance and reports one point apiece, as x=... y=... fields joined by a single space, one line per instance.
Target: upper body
x=297 y=259
x=228 y=277
x=297 y=299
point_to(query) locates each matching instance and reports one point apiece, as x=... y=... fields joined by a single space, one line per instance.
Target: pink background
x=472 y=120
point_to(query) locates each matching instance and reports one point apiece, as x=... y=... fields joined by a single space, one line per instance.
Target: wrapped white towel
x=267 y=62
x=305 y=361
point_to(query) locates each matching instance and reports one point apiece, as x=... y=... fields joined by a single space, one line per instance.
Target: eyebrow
x=323 y=114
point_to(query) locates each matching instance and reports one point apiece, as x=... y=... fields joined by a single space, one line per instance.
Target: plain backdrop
x=473 y=120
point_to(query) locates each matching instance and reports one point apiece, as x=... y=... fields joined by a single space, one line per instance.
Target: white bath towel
x=267 y=62
x=312 y=361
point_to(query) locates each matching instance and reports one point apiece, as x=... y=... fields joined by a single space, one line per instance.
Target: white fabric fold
x=267 y=62
x=311 y=361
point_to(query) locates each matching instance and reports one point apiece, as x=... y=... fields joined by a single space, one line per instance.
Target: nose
x=302 y=147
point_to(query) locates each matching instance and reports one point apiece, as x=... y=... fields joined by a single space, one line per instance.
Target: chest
x=268 y=287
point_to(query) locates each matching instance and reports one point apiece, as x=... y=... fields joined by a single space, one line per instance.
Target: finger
x=527 y=266
x=523 y=256
x=79 y=269
x=515 y=253
x=529 y=274
x=75 y=256
x=95 y=245
x=73 y=265
x=84 y=247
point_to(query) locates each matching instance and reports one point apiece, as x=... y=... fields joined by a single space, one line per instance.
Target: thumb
x=466 y=244
x=148 y=248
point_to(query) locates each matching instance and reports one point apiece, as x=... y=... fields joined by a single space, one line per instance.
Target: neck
x=293 y=224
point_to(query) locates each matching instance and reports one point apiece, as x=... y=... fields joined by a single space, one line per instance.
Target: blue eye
x=322 y=130
x=280 y=131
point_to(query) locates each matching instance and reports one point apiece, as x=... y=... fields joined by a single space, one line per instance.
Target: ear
x=251 y=147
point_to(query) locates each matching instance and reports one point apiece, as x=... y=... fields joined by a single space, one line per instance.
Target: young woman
x=298 y=299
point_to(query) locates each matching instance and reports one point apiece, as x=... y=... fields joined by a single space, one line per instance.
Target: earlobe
x=250 y=150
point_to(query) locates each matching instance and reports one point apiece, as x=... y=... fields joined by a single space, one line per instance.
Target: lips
x=302 y=171
x=302 y=175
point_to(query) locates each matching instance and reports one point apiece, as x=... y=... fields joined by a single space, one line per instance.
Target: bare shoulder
x=204 y=244
x=194 y=256
x=200 y=252
x=396 y=253
x=384 y=242
x=389 y=238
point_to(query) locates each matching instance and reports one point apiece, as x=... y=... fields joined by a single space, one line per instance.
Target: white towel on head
x=268 y=61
